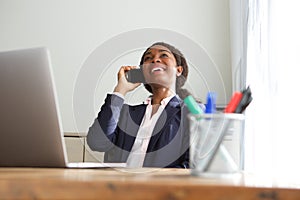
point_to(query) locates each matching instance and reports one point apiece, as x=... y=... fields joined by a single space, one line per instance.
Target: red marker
x=234 y=102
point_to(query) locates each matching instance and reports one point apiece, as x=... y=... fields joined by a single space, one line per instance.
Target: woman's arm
x=101 y=134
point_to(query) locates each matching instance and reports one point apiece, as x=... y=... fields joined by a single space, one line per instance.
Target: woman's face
x=160 y=67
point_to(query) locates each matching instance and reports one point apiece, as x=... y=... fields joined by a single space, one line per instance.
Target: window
x=272 y=133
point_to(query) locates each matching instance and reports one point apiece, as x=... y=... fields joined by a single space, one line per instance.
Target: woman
x=153 y=134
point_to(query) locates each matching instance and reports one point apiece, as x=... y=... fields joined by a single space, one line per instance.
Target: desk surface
x=148 y=183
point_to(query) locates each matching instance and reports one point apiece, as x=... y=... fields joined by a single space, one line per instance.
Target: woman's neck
x=161 y=93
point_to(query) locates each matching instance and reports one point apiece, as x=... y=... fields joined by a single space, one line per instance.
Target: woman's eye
x=164 y=55
x=147 y=58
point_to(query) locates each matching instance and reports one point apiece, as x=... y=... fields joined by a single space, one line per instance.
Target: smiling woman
x=153 y=134
x=160 y=69
x=166 y=54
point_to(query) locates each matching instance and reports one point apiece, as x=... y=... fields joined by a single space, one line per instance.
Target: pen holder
x=216 y=143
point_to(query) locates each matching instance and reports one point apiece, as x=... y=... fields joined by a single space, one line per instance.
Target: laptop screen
x=31 y=133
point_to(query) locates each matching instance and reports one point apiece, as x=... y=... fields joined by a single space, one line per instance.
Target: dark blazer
x=115 y=129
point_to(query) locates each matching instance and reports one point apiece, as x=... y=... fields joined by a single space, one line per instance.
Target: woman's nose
x=156 y=59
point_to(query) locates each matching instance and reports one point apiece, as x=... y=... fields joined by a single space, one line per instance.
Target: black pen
x=245 y=101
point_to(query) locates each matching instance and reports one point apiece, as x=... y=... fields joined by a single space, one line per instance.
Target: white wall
x=75 y=29
x=238 y=35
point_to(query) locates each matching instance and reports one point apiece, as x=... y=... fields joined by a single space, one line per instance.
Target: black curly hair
x=180 y=61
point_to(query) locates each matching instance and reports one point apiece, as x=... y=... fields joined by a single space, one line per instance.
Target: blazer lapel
x=137 y=113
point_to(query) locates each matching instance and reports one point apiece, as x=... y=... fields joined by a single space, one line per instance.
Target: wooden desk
x=42 y=183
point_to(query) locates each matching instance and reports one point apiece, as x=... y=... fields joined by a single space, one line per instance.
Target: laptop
x=30 y=125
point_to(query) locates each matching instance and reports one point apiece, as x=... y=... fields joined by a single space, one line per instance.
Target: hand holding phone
x=135 y=76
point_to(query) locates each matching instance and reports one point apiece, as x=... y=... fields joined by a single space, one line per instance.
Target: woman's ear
x=179 y=70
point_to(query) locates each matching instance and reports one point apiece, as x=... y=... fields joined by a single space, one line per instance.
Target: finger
x=127 y=68
x=122 y=71
x=137 y=84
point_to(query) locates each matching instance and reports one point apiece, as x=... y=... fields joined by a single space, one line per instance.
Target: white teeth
x=157 y=69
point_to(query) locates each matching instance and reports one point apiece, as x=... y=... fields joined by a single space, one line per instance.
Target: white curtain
x=272 y=128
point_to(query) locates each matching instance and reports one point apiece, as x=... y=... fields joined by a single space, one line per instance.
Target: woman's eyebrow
x=148 y=52
x=160 y=50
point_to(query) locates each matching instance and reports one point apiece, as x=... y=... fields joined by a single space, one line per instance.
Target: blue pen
x=211 y=102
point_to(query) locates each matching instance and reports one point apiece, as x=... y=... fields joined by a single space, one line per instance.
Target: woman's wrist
x=119 y=95
x=119 y=90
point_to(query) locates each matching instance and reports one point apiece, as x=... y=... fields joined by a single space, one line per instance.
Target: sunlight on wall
x=272 y=128
x=284 y=56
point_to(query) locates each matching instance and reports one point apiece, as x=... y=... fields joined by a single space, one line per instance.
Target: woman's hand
x=123 y=85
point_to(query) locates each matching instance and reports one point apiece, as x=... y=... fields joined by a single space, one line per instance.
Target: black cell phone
x=135 y=76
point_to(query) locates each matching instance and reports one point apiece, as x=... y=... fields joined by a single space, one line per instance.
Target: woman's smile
x=157 y=68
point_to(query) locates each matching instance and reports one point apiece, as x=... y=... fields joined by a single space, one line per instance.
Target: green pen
x=192 y=105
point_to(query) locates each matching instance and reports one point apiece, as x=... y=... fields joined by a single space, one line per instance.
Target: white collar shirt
x=138 y=152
